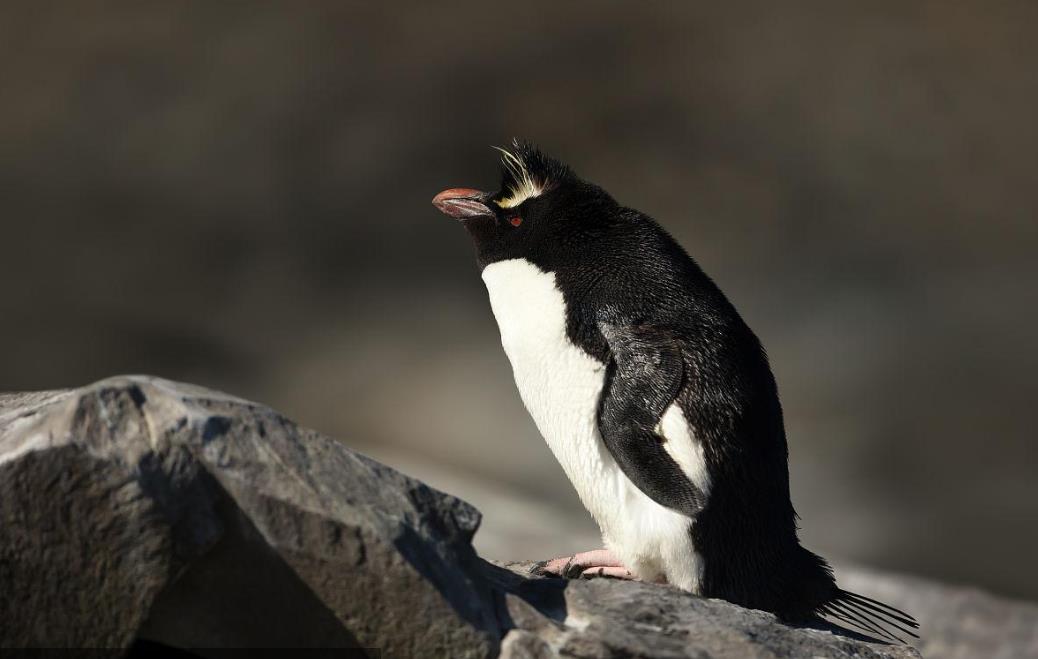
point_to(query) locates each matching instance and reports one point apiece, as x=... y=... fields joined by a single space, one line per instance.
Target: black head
x=540 y=208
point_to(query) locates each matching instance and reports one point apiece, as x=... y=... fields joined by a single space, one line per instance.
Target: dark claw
x=538 y=569
x=571 y=571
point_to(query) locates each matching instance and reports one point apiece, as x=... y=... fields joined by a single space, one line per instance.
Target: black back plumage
x=613 y=262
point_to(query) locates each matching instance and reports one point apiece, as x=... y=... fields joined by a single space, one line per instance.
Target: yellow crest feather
x=525 y=187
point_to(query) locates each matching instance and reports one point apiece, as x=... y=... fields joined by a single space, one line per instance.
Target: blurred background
x=237 y=195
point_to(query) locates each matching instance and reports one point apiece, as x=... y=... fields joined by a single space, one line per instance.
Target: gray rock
x=141 y=508
x=138 y=508
x=612 y=618
x=607 y=618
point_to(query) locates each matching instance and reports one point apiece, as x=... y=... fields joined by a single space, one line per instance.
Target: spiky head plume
x=526 y=172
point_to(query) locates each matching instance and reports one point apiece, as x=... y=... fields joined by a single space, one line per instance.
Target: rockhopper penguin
x=653 y=394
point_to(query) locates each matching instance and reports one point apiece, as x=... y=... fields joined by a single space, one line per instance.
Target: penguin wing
x=642 y=379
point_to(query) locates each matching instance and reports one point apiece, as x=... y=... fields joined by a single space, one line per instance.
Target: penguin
x=652 y=393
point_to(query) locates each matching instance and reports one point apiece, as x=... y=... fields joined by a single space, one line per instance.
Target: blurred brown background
x=238 y=195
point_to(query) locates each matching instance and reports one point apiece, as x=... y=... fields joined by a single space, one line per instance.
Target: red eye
x=515 y=221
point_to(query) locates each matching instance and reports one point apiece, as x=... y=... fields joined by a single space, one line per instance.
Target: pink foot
x=616 y=572
x=596 y=563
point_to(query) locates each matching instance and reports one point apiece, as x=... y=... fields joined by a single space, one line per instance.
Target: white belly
x=560 y=385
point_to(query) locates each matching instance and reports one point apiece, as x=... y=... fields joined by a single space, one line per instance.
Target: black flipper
x=642 y=379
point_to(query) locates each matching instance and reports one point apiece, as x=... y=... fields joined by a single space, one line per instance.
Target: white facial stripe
x=526 y=187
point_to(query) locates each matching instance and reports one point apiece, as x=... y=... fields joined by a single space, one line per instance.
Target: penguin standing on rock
x=653 y=394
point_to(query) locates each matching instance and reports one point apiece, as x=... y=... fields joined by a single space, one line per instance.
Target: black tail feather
x=862 y=622
x=868 y=629
x=869 y=615
x=831 y=613
x=881 y=608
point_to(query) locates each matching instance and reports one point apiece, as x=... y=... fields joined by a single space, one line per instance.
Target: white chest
x=560 y=385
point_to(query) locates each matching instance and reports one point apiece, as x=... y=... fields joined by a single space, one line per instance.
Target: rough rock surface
x=138 y=508
x=612 y=618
